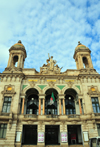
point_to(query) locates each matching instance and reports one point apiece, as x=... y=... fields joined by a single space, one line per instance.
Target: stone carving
x=9 y=89
x=51 y=84
x=70 y=84
x=32 y=84
x=88 y=71
x=93 y=90
x=13 y=70
x=50 y=67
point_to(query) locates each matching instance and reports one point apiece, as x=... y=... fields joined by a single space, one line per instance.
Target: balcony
x=97 y=114
x=51 y=116
x=30 y=116
x=73 y=116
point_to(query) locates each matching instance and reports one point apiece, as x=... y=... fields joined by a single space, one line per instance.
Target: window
x=3 y=129
x=98 y=128
x=70 y=106
x=95 y=105
x=6 y=104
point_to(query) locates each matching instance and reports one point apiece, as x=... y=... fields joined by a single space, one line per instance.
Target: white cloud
x=52 y=27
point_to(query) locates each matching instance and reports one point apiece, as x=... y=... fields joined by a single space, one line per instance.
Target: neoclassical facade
x=28 y=119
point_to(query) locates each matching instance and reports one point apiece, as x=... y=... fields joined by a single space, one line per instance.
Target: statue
x=52 y=62
x=50 y=67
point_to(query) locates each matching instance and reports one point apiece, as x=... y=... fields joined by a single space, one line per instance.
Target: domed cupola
x=82 y=56
x=17 y=56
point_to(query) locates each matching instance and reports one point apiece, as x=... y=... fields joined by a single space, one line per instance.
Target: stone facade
x=23 y=101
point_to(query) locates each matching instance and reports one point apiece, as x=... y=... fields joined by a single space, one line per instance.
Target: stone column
x=63 y=106
x=19 y=60
x=9 y=61
x=43 y=106
x=61 y=97
x=80 y=106
x=23 y=103
x=39 y=106
x=80 y=62
x=60 y=106
x=90 y=62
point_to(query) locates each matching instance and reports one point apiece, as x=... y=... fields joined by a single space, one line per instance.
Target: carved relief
x=93 y=90
x=51 y=84
x=88 y=71
x=50 y=67
x=9 y=89
x=70 y=84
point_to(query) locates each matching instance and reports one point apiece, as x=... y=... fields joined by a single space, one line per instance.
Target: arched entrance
x=70 y=96
x=51 y=103
x=32 y=101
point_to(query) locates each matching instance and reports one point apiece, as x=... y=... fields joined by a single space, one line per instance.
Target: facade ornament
x=32 y=84
x=9 y=89
x=51 y=84
x=93 y=90
x=70 y=84
x=50 y=67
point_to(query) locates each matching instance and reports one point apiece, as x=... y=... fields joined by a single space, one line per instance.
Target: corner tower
x=82 y=57
x=16 y=57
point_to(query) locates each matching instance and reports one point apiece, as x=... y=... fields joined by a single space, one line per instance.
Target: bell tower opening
x=15 y=61
x=85 y=62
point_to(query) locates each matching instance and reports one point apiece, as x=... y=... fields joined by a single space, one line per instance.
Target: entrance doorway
x=52 y=135
x=29 y=135
x=74 y=134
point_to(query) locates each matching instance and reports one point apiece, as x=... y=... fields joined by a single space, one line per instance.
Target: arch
x=73 y=87
x=51 y=96
x=54 y=87
x=70 y=96
x=85 y=62
x=15 y=60
x=32 y=101
x=29 y=87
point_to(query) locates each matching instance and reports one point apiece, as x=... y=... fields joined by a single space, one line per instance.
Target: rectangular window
x=98 y=128
x=95 y=104
x=3 y=129
x=6 y=104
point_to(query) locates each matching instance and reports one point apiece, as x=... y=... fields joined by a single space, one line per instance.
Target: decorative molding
x=9 y=89
x=24 y=86
x=70 y=84
x=93 y=90
x=78 y=86
x=60 y=86
x=51 y=80
x=42 y=86
x=51 y=84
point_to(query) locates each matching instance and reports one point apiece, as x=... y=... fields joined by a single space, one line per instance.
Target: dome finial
x=79 y=43
x=19 y=41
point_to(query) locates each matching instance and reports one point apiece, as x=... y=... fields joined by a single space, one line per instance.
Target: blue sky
x=50 y=26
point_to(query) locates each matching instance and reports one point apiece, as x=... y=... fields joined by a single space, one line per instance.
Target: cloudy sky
x=50 y=26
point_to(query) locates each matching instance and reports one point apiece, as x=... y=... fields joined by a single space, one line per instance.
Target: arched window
x=32 y=101
x=70 y=95
x=85 y=62
x=51 y=105
x=15 y=61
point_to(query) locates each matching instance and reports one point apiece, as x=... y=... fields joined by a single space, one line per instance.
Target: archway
x=70 y=95
x=85 y=62
x=51 y=105
x=32 y=101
